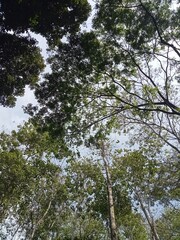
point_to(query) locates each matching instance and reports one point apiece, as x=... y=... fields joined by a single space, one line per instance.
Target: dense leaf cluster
x=20 y=65
x=20 y=59
x=49 y=18
x=124 y=70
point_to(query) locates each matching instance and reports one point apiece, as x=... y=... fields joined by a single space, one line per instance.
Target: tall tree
x=32 y=193
x=42 y=197
x=112 y=216
x=148 y=183
x=125 y=70
x=90 y=190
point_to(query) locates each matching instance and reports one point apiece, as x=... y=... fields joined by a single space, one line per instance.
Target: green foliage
x=45 y=200
x=88 y=188
x=154 y=178
x=119 y=73
x=20 y=65
x=137 y=17
x=168 y=225
x=31 y=186
x=132 y=227
x=63 y=16
x=20 y=59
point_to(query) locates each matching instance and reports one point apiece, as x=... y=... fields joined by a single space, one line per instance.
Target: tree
x=149 y=184
x=64 y=17
x=168 y=224
x=39 y=199
x=121 y=223
x=87 y=199
x=20 y=64
x=32 y=191
x=124 y=70
x=123 y=73
x=20 y=59
x=43 y=197
x=103 y=193
x=112 y=215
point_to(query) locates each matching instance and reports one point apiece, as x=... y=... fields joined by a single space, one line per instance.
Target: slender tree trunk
x=148 y=218
x=112 y=220
x=40 y=220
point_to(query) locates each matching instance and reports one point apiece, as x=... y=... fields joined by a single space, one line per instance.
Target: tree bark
x=112 y=220
x=148 y=218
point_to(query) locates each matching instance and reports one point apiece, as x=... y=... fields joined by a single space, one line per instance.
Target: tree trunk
x=148 y=218
x=112 y=220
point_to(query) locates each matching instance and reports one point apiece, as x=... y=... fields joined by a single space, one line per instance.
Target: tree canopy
x=49 y=18
x=20 y=64
x=124 y=70
x=21 y=61
x=43 y=197
x=120 y=75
